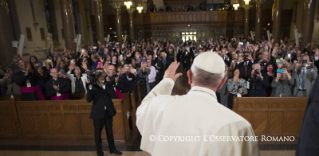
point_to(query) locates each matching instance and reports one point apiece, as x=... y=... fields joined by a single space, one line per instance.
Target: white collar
x=203 y=89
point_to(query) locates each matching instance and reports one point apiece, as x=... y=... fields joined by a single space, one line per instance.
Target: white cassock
x=196 y=114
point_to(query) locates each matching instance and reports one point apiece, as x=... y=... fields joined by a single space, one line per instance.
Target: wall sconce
x=246 y=2
x=139 y=8
x=236 y=5
x=128 y=4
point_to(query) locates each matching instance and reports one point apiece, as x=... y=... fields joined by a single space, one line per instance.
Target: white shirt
x=195 y=114
x=152 y=75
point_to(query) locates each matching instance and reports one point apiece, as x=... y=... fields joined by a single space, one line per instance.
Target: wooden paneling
x=176 y=22
x=273 y=116
x=69 y=119
x=9 y=122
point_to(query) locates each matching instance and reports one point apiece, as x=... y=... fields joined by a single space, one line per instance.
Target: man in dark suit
x=102 y=111
x=245 y=66
x=258 y=82
x=225 y=56
x=222 y=94
x=128 y=80
x=308 y=139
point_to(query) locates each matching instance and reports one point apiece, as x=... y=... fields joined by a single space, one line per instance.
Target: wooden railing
x=273 y=116
x=64 y=119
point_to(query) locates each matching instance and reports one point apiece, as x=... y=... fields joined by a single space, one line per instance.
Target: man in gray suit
x=304 y=76
x=223 y=93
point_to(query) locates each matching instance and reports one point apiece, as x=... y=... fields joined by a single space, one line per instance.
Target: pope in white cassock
x=193 y=124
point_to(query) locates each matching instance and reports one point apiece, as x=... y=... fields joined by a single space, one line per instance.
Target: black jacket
x=128 y=83
x=308 y=139
x=33 y=77
x=101 y=98
x=21 y=80
x=241 y=67
x=64 y=87
x=257 y=87
x=316 y=63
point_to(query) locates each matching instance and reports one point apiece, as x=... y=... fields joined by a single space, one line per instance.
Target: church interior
x=59 y=33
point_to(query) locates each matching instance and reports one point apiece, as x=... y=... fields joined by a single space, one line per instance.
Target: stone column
x=131 y=23
x=258 y=20
x=67 y=21
x=246 y=26
x=118 y=22
x=276 y=21
x=99 y=20
x=6 y=35
x=307 y=22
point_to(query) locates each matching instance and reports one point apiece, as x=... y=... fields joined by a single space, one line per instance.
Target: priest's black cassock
x=308 y=144
x=64 y=89
x=30 y=90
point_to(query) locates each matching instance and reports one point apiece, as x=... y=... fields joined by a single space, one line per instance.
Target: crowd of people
x=254 y=68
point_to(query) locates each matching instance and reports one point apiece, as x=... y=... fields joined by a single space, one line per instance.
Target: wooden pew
x=9 y=122
x=67 y=119
x=131 y=108
x=139 y=100
x=273 y=116
x=133 y=111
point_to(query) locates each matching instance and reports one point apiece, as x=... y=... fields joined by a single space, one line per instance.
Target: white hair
x=204 y=78
x=256 y=64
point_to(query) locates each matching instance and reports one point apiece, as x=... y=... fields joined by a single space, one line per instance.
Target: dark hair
x=269 y=63
x=36 y=61
x=233 y=71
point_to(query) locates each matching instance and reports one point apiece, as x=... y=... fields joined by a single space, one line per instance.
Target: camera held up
x=94 y=77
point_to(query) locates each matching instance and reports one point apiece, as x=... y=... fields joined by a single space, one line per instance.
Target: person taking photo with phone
x=281 y=85
x=304 y=75
x=258 y=82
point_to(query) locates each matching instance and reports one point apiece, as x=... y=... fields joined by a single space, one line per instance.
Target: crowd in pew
x=254 y=68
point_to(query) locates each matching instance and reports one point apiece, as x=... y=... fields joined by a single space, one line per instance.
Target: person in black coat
x=245 y=67
x=102 y=111
x=159 y=66
x=28 y=79
x=170 y=58
x=57 y=87
x=316 y=59
x=258 y=82
x=308 y=143
x=128 y=80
